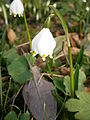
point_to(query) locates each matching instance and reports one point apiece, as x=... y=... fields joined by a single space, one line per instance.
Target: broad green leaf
x=81 y=80
x=19 y=71
x=66 y=82
x=30 y=58
x=25 y=116
x=11 y=55
x=11 y=116
x=58 y=82
x=59 y=99
x=81 y=106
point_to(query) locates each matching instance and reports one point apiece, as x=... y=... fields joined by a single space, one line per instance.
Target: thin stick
x=16 y=96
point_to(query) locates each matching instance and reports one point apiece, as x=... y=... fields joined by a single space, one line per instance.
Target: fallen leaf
x=11 y=36
x=65 y=70
x=36 y=94
x=74 y=39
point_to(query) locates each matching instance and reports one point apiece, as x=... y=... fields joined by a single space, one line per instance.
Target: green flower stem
x=5 y=15
x=0 y=84
x=57 y=13
x=7 y=94
x=71 y=72
x=29 y=38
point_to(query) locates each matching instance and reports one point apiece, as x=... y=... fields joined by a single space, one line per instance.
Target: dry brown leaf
x=74 y=39
x=36 y=94
x=74 y=50
x=11 y=36
x=87 y=89
x=71 y=5
x=64 y=70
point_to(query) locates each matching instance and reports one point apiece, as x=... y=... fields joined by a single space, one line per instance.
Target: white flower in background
x=43 y=44
x=34 y=9
x=84 y=1
x=37 y=16
x=0 y=9
x=16 y=8
x=55 y=5
x=7 y=5
x=48 y=3
x=87 y=9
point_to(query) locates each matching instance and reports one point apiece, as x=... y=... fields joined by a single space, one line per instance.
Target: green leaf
x=81 y=106
x=80 y=56
x=66 y=82
x=11 y=55
x=58 y=82
x=81 y=80
x=76 y=77
x=11 y=116
x=25 y=116
x=19 y=71
x=30 y=58
x=47 y=22
x=75 y=18
x=59 y=99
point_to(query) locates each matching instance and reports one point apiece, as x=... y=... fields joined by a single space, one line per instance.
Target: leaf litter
x=36 y=94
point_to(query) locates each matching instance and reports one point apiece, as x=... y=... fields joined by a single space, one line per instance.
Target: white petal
x=0 y=9
x=16 y=7
x=87 y=8
x=43 y=43
x=46 y=43
x=84 y=0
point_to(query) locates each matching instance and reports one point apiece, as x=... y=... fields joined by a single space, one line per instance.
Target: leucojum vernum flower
x=43 y=44
x=16 y=8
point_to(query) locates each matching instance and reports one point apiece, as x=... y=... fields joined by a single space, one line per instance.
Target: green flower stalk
x=5 y=15
x=1 y=99
x=29 y=38
x=26 y=24
x=69 y=47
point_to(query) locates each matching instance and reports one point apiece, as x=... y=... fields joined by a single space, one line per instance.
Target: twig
x=16 y=96
x=49 y=75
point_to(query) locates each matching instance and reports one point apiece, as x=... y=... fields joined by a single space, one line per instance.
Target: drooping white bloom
x=84 y=1
x=55 y=5
x=48 y=2
x=16 y=8
x=7 y=5
x=0 y=9
x=87 y=9
x=43 y=44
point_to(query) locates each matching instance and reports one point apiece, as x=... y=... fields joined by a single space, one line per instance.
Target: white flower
x=7 y=5
x=37 y=16
x=87 y=8
x=16 y=8
x=43 y=44
x=84 y=1
x=55 y=5
x=0 y=9
x=48 y=2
